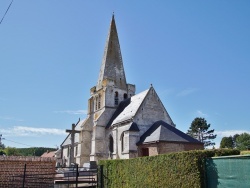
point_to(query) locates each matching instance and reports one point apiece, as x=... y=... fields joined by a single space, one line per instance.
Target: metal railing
x=71 y=176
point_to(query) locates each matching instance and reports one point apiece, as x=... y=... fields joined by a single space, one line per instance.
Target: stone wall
x=39 y=171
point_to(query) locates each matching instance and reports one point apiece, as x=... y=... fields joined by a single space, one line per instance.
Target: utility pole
x=1 y=144
x=72 y=131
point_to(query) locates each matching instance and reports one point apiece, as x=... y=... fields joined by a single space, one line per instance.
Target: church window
x=122 y=141
x=111 y=144
x=96 y=102
x=68 y=151
x=99 y=102
x=116 y=98
x=125 y=96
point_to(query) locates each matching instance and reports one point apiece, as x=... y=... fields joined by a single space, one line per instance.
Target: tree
x=11 y=151
x=199 y=129
x=243 y=141
x=227 y=142
x=234 y=140
x=2 y=152
x=2 y=146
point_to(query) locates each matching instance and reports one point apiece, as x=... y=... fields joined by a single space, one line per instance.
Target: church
x=121 y=124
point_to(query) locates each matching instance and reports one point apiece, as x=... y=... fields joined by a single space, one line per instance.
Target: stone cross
x=73 y=131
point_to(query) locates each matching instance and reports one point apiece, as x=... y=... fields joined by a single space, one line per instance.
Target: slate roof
x=67 y=141
x=127 y=108
x=133 y=127
x=162 y=131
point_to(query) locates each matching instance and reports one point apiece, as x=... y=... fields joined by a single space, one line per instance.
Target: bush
x=245 y=152
x=182 y=169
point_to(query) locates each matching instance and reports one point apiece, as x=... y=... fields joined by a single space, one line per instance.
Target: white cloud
x=31 y=131
x=201 y=114
x=74 y=112
x=10 y=118
x=186 y=92
x=228 y=133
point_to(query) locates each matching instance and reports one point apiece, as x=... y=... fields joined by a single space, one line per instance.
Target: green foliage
x=238 y=141
x=182 y=169
x=2 y=146
x=245 y=152
x=199 y=129
x=11 y=151
x=227 y=142
x=34 y=151
x=2 y=152
x=243 y=141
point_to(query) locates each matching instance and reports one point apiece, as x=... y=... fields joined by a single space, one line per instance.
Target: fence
x=74 y=176
x=36 y=172
x=230 y=171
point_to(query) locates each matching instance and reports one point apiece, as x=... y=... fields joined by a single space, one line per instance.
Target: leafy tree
x=199 y=129
x=243 y=141
x=2 y=146
x=234 y=140
x=34 y=151
x=11 y=151
x=227 y=142
x=2 y=152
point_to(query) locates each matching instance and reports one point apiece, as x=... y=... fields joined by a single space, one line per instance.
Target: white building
x=121 y=124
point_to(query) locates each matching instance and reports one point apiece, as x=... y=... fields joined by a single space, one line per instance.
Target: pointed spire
x=112 y=65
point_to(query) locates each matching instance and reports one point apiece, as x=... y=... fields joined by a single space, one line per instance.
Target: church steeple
x=112 y=64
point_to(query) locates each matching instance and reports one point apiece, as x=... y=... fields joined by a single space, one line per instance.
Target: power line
x=17 y=142
x=6 y=11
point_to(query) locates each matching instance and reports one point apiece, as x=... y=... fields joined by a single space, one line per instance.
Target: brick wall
x=39 y=171
x=169 y=147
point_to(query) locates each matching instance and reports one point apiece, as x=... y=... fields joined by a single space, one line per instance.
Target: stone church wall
x=151 y=111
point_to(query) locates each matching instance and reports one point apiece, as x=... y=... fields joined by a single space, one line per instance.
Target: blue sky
x=195 y=53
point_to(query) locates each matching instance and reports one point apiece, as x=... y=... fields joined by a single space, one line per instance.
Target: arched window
x=96 y=102
x=116 y=98
x=111 y=144
x=99 y=102
x=125 y=96
x=122 y=141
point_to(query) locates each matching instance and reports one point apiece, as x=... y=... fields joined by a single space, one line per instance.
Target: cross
x=72 y=132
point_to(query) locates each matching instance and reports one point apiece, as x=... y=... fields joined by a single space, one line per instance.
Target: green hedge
x=182 y=169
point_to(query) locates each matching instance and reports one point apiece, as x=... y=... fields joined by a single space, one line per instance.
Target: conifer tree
x=199 y=129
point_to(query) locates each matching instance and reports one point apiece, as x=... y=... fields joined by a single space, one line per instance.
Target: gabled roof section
x=134 y=127
x=128 y=111
x=112 y=64
x=161 y=131
x=119 y=110
x=49 y=154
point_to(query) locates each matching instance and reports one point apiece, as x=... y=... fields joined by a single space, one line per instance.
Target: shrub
x=182 y=169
